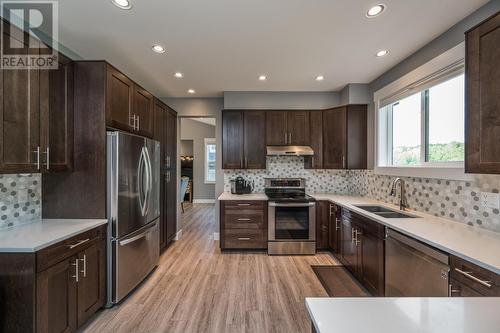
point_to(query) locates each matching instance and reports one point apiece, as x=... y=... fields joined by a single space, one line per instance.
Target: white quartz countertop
x=474 y=244
x=35 y=236
x=408 y=315
x=252 y=196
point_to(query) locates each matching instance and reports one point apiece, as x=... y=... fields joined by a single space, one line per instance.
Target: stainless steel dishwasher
x=414 y=269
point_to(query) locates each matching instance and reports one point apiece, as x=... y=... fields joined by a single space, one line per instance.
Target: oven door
x=292 y=221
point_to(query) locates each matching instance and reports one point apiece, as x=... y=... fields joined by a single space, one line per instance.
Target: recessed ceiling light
x=262 y=78
x=179 y=75
x=191 y=91
x=382 y=53
x=122 y=4
x=158 y=48
x=320 y=78
x=375 y=10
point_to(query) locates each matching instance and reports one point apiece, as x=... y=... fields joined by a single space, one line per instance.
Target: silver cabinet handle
x=243 y=204
x=133 y=121
x=246 y=162
x=357 y=233
x=244 y=219
x=352 y=236
x=244 y=238
x=138 y=123
x=487 y=284
x=290 y=138
x=76 y=270
x=337 y=225
x=47 y=157
x=78 y=243
x=452 y=291
x=285 y=138
x=84 y=270
x=331 y=210
x=343 y=162
x=37 y=152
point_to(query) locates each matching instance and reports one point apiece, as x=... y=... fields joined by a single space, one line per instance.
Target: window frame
x=405 y=86
x=207 y=142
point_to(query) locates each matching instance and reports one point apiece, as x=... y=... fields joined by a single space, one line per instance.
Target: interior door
x=20 y=149
x=92 y=281
x=254 y=141
x=56 y=297
x=276 y=132
x=298 y=128
x=119 y=99
x=334 y=138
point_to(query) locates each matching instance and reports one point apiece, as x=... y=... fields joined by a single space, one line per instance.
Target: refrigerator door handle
x=140 y=177
x=149 y=181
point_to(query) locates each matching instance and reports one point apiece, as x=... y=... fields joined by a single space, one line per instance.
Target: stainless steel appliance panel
x=134 y=256
x=413 y=269
x=153 y=203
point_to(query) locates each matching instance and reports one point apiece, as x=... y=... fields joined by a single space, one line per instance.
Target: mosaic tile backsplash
x=450 y=199
x=20 y=199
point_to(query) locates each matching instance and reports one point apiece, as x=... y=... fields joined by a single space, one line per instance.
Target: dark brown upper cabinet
x=243 y=140
x=143 y=111
x=345 y=137
x=482 y=125
x=276 y=131
x=298 y=128
x=315 y=141
x=287 y=128
x=36 y=118
x=119 y=100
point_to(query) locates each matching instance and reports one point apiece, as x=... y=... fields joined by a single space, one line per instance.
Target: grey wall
x=203 y=107
x=197 y=131
x=280 y=100
x=186 y=147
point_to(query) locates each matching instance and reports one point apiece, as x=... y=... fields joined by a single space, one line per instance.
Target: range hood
x=289 y=151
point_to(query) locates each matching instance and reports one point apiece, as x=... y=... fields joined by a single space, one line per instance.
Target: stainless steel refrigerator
x=133 y=195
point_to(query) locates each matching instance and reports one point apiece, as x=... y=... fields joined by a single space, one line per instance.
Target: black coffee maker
x=241 y=186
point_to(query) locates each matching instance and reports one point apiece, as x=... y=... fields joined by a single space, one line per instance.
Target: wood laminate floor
x=196 y=288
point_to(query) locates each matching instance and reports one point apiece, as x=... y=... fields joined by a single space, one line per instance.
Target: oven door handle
x=276 y=204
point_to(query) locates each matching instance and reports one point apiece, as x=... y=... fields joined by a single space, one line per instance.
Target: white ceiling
x=224 y=45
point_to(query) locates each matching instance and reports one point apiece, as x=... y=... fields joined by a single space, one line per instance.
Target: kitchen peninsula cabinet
x=482 y=116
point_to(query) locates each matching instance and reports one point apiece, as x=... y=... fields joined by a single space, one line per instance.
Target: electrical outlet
x=490 y=200
x=22 y=195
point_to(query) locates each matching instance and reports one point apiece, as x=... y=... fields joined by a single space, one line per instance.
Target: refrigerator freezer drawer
x=134 y=257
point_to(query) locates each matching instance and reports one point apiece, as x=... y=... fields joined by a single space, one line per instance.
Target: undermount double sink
x=384 y=212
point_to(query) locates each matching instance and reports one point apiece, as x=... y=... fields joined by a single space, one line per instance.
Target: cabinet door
x=119 y=99
x=170 y=139
x=143 y=111
x=315 y=141
x=356 y=151
x=322 y=224
x=254 y=139
x=334 y=138
x=298 y=128
x=92 y=281
x=372 y=253
x=349 y=250
x=170 y=206
x=56 y=100
x=56 y=298
x=160 y=131
x=19 y=117
x=276 y=132
x=482 y=151
x=334 y=228
x=232 y=140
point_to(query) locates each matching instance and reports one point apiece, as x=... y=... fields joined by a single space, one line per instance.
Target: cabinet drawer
x=62 y=250
x=246 y=220
x=244 y=239
x=481 y=280
x=243 y=205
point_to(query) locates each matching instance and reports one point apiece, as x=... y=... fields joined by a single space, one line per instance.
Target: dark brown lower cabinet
x=470 y=280
x=322 y=225
x=362 y=250
x=168 y=212
x=334 y=230
x=56 y=289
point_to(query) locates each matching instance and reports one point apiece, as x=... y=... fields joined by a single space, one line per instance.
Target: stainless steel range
x=291 y=217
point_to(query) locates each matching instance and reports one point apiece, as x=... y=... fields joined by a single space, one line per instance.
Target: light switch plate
x=490 y=200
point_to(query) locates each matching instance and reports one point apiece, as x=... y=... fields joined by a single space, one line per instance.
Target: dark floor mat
x=338 y=282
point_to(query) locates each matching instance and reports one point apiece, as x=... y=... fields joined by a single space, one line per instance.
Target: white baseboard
x=216 y=236
x=178 y=235
x=204 y=201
